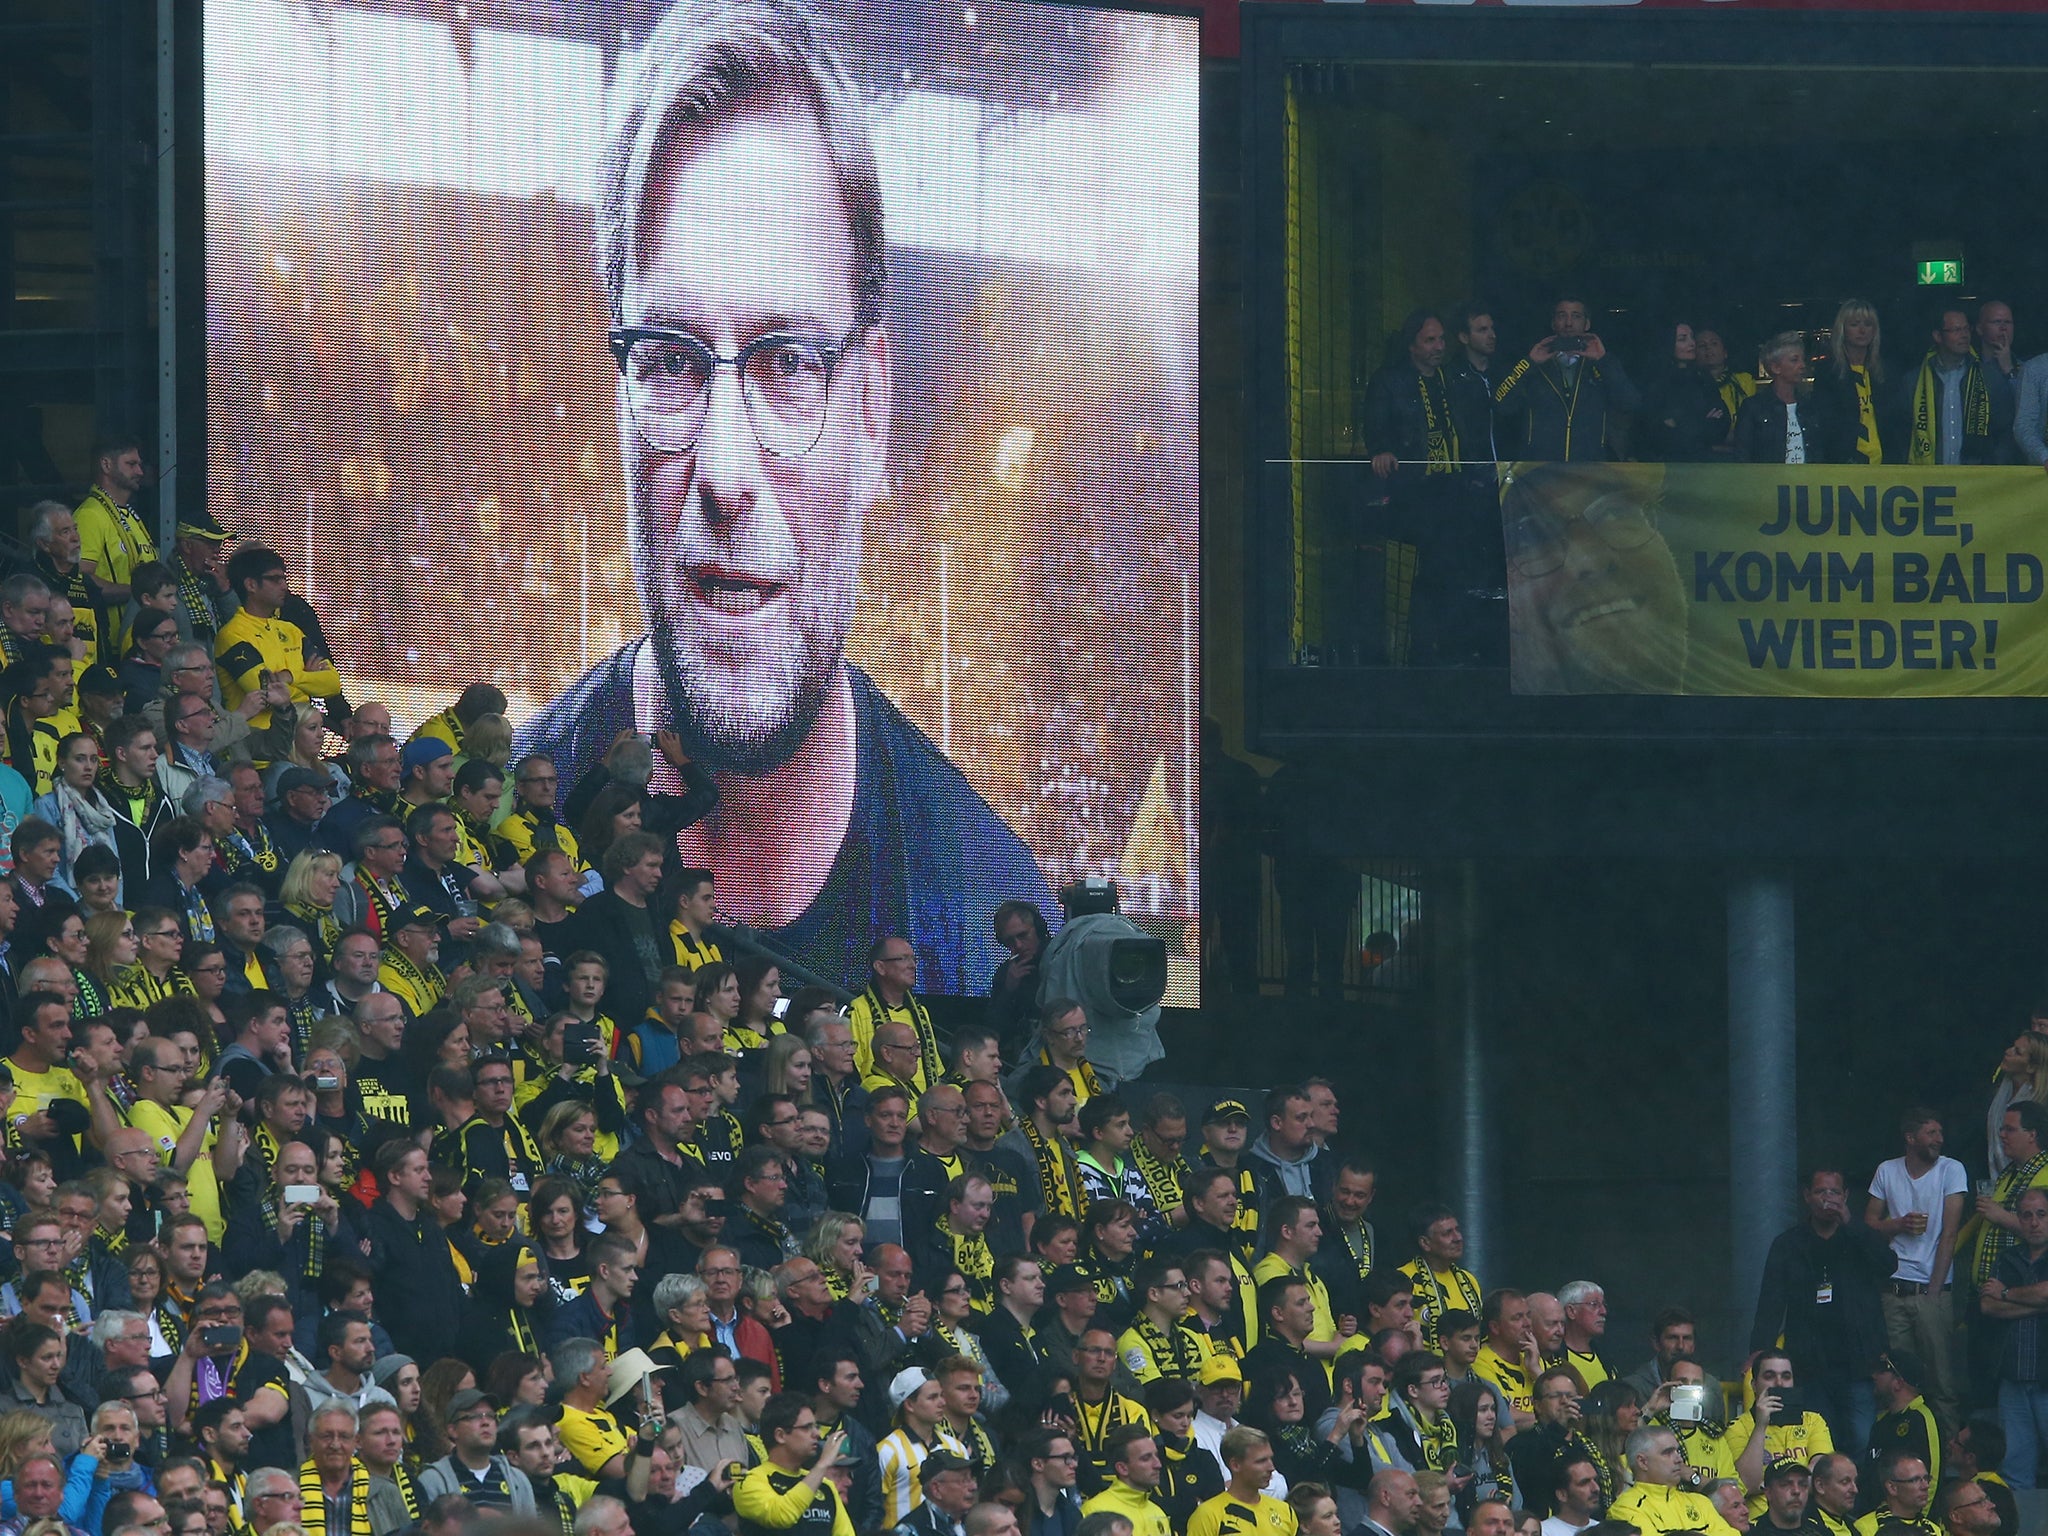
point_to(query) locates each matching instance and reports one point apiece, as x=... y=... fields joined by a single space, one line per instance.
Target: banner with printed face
x=1821 y=581
x=812 y=379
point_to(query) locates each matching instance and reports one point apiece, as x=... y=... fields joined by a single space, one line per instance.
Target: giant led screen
x=814 y=379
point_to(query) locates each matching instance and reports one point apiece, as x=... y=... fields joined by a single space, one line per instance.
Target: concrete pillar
x=1763 y=1145
x=1468 y=1128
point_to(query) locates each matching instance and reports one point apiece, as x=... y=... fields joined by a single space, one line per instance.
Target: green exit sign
x=1940 y=274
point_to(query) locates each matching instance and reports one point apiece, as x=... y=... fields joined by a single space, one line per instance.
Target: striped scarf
x=1440 y=431
x=1176 y=1353
x=1062 y=1197
x=1431 y=1302
x=247 y=855
x=980 y=1449
x=1162 y=1179
x=195 y=596
x=972 y=1258
x=1926 y=447
x=1087 y=1070
x=91 y=1001
x=313 y=1494
x=379 y=901
x=198 y=918
x=1361 y=1252
x=1996 y=1241
x=326 y=929
x=408 y=1490
x=315 y=1229
x=929 y=1068
x=136 y=988
x=123 y=799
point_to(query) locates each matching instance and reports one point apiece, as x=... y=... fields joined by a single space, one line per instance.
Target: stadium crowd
x=387 y=1151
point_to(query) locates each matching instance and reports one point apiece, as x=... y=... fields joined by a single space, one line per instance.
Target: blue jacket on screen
x=924 y=856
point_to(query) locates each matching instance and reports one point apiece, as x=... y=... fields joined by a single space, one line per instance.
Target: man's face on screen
x=1595 y=604
x=748 y=562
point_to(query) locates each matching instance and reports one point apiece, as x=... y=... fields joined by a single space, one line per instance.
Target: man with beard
x=1595 y=603
x=1412 y=431
x=748 y=499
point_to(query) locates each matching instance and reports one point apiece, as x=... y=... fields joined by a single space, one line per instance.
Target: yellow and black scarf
x=248 y=855
x=1089 y=1081
x=136 y=988
x=1925 y=448
x=408 y=1490
x=195 y=596
x=929 y=1068
x=981 y=1450
x=1868 y=449
x=313 y=1494
x=381 y=900
x=1996 y=1240
x=972 y=1258
x=1161 y=1178
x=1177 y=1353
x=315 y=1228
x=1062 y=1188
x=428 y=982
x=1437 y=1442
x=1360 y=1251
x=325 y=928
x=135 y=805
x=1431 y=1302
x=1441 y=432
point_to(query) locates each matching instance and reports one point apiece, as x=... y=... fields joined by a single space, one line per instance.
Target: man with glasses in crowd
x=259 y=646
x=747 y=500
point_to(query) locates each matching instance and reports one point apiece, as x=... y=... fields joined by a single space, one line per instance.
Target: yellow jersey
x=1653 y=1509
x=1510 y=1376
x=1803 y=1441
x=1120 y=1498
x=1228 y=1515
x=247 y=647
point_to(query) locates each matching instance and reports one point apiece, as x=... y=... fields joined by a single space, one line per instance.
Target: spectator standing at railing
x=113 y=538
x=1565 y=400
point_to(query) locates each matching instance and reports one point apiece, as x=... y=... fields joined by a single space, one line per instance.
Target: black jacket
x=1539 y=414
x=1760 y=430
x=1839 y=1338
x=1017 y=1362
x=1396 y=423
x=600 y=926
x=1684 y=419
x=1472 y=408
x=414 y=1266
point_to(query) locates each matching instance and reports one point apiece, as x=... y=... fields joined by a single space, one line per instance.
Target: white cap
x=907 y=1381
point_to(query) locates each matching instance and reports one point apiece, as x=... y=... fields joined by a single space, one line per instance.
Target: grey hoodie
x=1296 y=1178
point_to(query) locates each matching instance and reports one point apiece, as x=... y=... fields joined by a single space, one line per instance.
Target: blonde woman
x=1853 y=380
x=307 y=900
x=2022 y=1075
x=834 y=1246
x=110 y=948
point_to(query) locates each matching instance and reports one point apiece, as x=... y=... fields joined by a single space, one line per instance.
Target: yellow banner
x=1824 y=581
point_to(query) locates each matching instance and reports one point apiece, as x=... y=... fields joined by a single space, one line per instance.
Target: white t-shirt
x=1556 y=1527
x=1925 y=1194
x=1795 y=435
